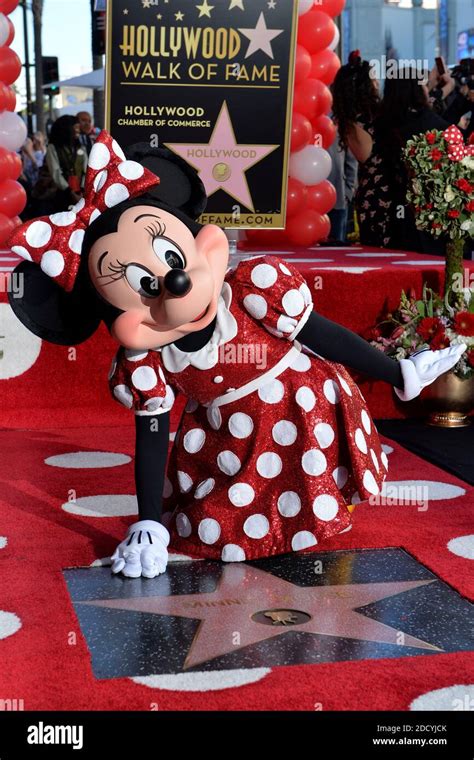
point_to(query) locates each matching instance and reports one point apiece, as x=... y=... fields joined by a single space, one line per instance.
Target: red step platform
x=43 y=385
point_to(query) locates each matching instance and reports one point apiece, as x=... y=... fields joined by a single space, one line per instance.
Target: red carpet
x=45 y=660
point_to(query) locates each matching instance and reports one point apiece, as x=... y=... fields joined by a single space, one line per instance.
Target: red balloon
x=4 y=163
x=324 y=132
x=15 y=165
x=11 y=33
x=266 y=237
x=301 y=132
x=297 y=197
x=307 y=228
x=312 y=98
x=324 y=66
x=10 y=65
x=322 y=198
x=6 y=228
x=302 y=64
x=12 y=198
x=316 y=31
x=332 y=7
x=8 y=6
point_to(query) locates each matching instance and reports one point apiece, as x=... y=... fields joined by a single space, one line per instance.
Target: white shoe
x=424 y=367
x=143 y=552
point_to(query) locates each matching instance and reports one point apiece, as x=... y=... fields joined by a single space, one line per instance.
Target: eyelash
x=156 y=229
x=118 y=269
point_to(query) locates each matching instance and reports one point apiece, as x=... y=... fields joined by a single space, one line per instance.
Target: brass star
x=146 y=3
x=205 y=9
x=271 y=5
x=237 y=4
x=179 y=16
x=159 y=16
x=125 y=11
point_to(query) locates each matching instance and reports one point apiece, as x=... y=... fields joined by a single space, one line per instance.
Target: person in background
x=66 y=160
x=344 y=178
x=88 y=133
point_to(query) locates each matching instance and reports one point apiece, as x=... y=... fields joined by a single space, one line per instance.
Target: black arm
x=151 y=451
x=338 y=344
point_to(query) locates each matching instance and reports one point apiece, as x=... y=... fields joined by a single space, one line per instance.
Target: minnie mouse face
x=165 y=281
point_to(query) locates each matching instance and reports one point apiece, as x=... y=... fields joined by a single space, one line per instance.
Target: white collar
x=207 y=357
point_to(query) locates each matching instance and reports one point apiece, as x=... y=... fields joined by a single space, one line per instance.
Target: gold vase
x=449 y=400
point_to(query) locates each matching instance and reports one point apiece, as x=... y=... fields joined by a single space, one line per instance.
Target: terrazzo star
x=267 y=460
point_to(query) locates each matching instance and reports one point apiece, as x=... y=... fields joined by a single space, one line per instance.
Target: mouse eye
x=168 y=253
x=142 y=281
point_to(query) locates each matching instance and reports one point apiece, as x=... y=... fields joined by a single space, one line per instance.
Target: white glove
x=143 y=551
x=424 y=367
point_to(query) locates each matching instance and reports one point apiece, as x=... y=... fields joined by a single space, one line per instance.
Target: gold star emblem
x=205 y=9
x=179 y=16
x=237 y=4
x=146 y=3
x=159 y=16
x=271 y=5
x=125 y=11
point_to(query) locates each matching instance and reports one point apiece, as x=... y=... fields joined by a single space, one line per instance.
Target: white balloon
x=12 y=130
x=304 y=6
x=311 y=165
x=336 y=40
x=4 y=29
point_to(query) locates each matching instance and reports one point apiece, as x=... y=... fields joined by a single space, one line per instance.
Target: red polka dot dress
x=275 y=442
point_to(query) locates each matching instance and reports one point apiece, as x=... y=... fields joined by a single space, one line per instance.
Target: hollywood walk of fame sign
x=213 y=81
x=203 y=616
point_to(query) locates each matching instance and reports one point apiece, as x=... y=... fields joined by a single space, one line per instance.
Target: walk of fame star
x=227 y=614
x=261 y=37
x=218 y=167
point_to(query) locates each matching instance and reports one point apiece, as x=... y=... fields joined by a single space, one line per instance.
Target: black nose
x=177 y=282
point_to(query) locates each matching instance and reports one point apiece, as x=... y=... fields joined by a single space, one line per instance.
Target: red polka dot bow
x=457 y=150
x=55 y=242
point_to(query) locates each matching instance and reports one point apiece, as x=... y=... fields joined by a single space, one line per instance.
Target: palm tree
x=37 y=8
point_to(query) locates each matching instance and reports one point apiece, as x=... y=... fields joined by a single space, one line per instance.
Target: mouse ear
x=49 y=312
x=180 y=186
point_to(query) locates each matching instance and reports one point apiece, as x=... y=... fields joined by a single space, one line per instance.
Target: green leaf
x=420 y=305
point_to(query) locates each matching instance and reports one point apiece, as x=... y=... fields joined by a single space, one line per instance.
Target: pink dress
x=275 y=442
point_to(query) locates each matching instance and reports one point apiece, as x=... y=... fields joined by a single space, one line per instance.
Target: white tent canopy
x=93 y=80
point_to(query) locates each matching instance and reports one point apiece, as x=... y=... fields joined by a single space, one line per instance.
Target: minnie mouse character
x=276 y=443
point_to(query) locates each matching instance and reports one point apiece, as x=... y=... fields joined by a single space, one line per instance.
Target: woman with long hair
x=66 y=161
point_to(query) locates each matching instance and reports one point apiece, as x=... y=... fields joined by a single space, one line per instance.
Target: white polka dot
x=144 y=378
x=124 y=395
x=256 y=526
x=183 y=526
x=384 y=459
x=191 y=406
x=285 y=433
x=324 y=434
x=284 y=269
x=325 y=507
x=228 y=462
x=95 y=215
x=463 y=546
x=209 y=531
x=272 y=393
x=293 y=303
x=91 y=460
x=52 y=263
x=305 y=398
x=62 y=219
x=241 y=494
x=340 y=475
x=269 y=465
x=9 y=624
x=240 y=425
x=302 y=363
x=79 y=205
x=104 y=505
x=264 y=275
x=99 y=156
x=21 y=251
x=194 y=440
x=387 y=449
x=366 y=423
x=360 y=441
x=370 y=484
x=448 y=699
x=118 y=150
x=204 y=488
x=256 y=306
x=214 y=417
x=167 y=488
x=115 y=194
x=135 y=356
x=314 y=462
x=3 y=542
x=153 y=404
x=375 y=460
x=289 y=504
x=431 y=490
x=76 y=240
x=233 y=553
x=185 y=481
x=306 y=293
x=218 y=379
x=131 y=170
x=38 y=234
x=344 y=385
x=331 y=391
x=100 y=180
x=204 y=681
x=303 y=540
x=286 y=324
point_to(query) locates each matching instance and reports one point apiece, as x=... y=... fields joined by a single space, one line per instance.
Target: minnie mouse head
x=130 y=253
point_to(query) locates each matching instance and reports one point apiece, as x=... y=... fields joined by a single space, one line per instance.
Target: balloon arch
x=310 y=195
